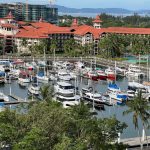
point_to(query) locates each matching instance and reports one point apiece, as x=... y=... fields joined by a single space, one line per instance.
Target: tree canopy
x=47 y=125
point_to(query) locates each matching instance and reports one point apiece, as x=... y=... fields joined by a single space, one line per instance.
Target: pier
x=99 y=61
x=135 y=142
x=18 y=100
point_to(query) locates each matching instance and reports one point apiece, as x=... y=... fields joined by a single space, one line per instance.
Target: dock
x=18 y=100
x=135 y=142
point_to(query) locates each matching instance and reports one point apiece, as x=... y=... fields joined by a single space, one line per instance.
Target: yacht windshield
x=67 y=87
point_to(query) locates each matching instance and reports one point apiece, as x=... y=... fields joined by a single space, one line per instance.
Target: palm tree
x=53 y=47
x=140 y=109
x=24 y=42
x=47 y=92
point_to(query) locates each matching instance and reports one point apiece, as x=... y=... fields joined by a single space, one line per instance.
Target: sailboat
x=41 y=76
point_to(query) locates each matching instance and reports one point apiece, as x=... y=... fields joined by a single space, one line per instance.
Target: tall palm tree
x=53 y=47
x=47 y=92
x=140 y=109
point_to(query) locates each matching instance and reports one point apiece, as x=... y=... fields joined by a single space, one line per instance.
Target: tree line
x=134 y=20
x=46 y=125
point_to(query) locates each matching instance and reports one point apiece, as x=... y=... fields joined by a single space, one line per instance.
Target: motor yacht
x=110 y=74
x=119 y=97
x=65 y=92
x=113 y=88
x=3 y=97
x=24 y=77
x=134 y=71
x=63 y=75
x=34 y=89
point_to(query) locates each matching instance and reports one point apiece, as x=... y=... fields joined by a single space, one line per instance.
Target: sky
x=128 y=4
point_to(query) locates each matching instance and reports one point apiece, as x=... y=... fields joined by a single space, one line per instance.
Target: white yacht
x=113 y=88
x=79 y=65
x=119 y=97
x=24 y=77
x=68 y=104
x=134 y=71
x=65 y=92
x=63 y=75
x=41 y=77
x=34 y=89
x=3 y=97
x=135 y=85
x=96 y=97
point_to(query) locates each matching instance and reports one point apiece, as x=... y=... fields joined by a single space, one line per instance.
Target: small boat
x=134 y=71
x=130 y=94
x=14 y=73
x=120 y=71
x=113 y=88
x=29 y=66
x=94 y=99
x=3 y=97
x=63 y=75
x=119 y=97
x=24 y=77
x=34 y=89
x=22 y=84
x=110 y=74
x=68 y=104
x=101 y=75
x=92 y=75
x=2 y=77
x=68 y=65
x=135 y=85
x=41 y=77
x=79 y=65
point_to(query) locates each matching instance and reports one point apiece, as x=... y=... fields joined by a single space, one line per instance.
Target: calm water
x=100 y=86
x=94 y=14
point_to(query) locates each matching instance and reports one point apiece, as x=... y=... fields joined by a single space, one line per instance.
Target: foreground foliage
x=46 y=125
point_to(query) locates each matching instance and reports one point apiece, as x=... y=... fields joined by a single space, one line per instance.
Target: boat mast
x=115 y=71
x=45 y=62
x=147 y=68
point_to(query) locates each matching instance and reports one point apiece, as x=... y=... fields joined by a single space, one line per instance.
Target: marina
x=105 y=106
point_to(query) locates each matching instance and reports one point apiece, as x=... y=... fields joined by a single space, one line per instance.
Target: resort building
x=20 y=35
x=29 y=12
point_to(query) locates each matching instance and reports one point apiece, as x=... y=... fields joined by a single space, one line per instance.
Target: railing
x=99 y=61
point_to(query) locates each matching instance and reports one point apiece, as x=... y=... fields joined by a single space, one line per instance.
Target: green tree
x=140 y=109
x=24 y=42
x=47 y=92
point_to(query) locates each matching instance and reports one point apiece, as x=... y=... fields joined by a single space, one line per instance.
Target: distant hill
x=64 y=9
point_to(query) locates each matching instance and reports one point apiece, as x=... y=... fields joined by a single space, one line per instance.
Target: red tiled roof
x=126 y=30
x=22 y=22
x=83 y=29
x=30 y=33
x=7 y=25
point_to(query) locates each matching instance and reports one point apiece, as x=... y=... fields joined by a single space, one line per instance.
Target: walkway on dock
x=18 y=100
x=135 y=142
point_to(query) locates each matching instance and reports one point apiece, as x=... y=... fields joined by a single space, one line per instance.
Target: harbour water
x=99 y=86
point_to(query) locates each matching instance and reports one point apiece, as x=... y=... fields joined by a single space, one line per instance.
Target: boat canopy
x=41 y=74
x=124 y=97
x=24 y=73
x=18 y=61
x=1 y=104
x=114 y=86
x=2 y=73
